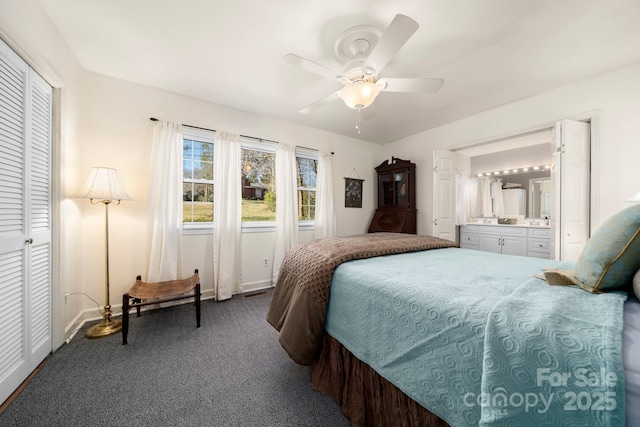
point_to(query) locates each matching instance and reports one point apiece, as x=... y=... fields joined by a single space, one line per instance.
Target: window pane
x=258 y=185
x=307 y=171
x=307 y=174
x=187 y=148
x=203 y=157
x=203 y=203
x=187 y=192
x=187 y=169
x=197 y=188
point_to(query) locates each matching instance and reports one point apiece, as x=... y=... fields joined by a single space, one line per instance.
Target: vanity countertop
x=524 y=224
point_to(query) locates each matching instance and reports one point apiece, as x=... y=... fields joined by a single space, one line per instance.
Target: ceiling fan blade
x=425 y=85
x=311 y=66
x=399 y=31
x=325 y=100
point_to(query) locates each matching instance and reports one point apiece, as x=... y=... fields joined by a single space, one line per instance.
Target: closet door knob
x=29 y=241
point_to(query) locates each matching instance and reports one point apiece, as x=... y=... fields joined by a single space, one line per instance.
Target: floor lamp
x=103 y=186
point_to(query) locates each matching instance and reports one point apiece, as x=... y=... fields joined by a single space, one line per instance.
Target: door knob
x=29 y=241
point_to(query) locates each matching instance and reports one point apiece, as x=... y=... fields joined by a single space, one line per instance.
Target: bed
x=429 y=334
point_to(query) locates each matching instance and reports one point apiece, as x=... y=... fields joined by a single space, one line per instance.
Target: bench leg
x=125 y=318
x=197 y=297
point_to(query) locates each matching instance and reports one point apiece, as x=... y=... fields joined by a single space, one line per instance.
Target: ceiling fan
x=367 y=51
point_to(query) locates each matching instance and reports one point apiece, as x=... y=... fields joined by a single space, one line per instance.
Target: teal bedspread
x=476 y=339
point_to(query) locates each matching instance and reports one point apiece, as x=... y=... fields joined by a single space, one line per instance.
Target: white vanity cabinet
x=503 y=240
x=539 y=243
x=469 y=237
x=506 y=239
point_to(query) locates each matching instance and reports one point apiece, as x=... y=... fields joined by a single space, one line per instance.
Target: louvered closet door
x=25 y=221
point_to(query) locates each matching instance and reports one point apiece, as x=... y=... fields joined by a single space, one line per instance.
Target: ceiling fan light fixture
x=359 y=94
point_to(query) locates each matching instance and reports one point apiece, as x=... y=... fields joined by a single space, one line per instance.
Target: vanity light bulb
x=496 y=173
x=535 y=168
x=547 y=167
x=515 y=170
x=479 y=175
x=525 y=169
x=506 y=172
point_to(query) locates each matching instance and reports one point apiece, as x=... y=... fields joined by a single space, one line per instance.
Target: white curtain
x=227 y=215
x=164 y=242
x=475 y=198
x=498 y=202
x=325 y=220
x=487 y=206
x=286 y=204
x=462 y=202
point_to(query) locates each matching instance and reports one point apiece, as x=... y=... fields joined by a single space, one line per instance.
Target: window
x=257 y=180
x=197 y=176
x=307 y=173
x=258 y=183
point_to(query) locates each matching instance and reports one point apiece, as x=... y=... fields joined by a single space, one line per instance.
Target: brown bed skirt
x=367 y=399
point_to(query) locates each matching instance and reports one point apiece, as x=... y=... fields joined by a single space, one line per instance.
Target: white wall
x=104 y=121
x=535 y=155
x=117 y=133
x=612 y=99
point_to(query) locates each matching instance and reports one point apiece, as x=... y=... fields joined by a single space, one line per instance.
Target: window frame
x=206 y=136
x=307 y=153
x=267 y=147
x=209 y=136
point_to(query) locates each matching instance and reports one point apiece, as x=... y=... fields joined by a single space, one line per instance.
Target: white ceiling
x=489 y=52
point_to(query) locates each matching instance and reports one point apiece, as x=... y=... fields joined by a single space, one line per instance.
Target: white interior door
x=444 y=195
x=570 y=174
x=25 y=221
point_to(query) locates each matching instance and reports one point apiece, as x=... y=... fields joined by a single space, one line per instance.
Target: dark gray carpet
x=229 y=372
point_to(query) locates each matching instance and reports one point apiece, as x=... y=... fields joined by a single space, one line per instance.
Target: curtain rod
x=153 y=119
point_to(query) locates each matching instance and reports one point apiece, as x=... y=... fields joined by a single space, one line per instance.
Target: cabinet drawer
x=469 y=229
x=539 y=245
x=539 y=232
x=506 y=230
x=468 y=239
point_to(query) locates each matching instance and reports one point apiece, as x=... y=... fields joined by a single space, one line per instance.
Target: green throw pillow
x=610 y=258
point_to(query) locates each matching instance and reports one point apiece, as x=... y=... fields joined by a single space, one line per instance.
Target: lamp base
x=104 y=329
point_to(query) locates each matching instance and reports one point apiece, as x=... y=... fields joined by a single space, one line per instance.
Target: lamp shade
x=359 y=94
x=102 y=184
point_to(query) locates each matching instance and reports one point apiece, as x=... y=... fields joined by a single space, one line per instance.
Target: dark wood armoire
x=396 y=212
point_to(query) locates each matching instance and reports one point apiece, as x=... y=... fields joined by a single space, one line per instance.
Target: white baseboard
x=74 y=326
x=256 y=286
x=93 y=314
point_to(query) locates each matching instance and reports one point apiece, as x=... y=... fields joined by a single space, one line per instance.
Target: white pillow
x=636 y=284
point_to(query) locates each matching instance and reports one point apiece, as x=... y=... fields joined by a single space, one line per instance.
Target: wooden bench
x=147 y=293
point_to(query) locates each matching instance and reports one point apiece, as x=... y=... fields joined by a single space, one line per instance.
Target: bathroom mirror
x=539 y=197
x=518 y=193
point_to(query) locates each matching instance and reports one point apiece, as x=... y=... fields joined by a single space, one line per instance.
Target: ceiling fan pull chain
x=358 y=120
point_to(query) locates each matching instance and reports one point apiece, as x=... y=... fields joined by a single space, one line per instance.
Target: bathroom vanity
x=520 y=239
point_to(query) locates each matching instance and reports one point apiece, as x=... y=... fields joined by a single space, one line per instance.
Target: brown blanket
x=302 y=291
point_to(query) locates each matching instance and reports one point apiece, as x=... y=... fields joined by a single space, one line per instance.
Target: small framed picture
x=353 y=193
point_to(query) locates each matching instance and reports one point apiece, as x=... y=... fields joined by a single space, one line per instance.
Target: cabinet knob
x=29 y=241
